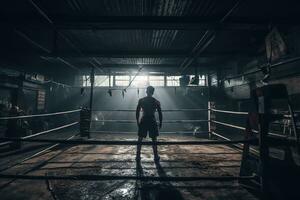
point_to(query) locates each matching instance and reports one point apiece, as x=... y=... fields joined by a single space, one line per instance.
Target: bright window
x=122 y=80
x=173 y=80
x=100 y=81
x=157 y=80
x=86 y=81
x=140 y=81
x=202 y=80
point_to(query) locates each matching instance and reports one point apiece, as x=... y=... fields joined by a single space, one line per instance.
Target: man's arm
x=137 y=113
x=160 y=116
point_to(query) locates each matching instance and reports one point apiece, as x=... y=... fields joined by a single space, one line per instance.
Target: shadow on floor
x=155 y=191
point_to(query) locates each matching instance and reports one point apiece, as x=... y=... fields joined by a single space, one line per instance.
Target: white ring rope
x=166 y=121
x=50 y=130
x=37 y=154
x=43 y=132
x=4 y=143
x=132 y=110
x=123 y=110
x=237 y=145
x=254 y=131
x=245 y=113
x=229 y=112
x=221 y=136
x=132 y=132
x=40 y=115
x=229 y=125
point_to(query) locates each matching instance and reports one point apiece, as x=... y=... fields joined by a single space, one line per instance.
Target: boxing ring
x=253 y=144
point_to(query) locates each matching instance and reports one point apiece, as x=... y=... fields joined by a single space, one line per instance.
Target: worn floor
x=208 y=160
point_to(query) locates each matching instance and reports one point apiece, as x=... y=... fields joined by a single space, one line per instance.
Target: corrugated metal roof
x=101 y=43
x=134 y=39
x=134 y=7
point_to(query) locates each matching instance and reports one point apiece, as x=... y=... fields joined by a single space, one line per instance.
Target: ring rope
x=4 y=143
x=220 y=136
x=229 y=112
x=165 y=121
x=121 y=110
x=42 y=133
x=132 y=132
x=134 y=142
x=36 y=154
x=245 y=113
x=40 y=115
x=236 y=145
x=36 y=167
x=169 y=110
x=50 y=130
x=254 y=131
x=228 y=125
x=142 y=178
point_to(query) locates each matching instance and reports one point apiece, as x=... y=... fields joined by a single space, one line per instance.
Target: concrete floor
x=212 y=160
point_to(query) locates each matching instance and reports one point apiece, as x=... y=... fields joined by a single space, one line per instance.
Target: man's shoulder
x=156 y=101
x=142 y=99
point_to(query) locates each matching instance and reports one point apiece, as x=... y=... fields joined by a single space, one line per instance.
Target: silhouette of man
x=149 y=105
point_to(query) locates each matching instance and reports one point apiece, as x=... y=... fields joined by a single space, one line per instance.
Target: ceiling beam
x=124 y=54
x=132 y=68
x=111 y=66
x=146 y=67
x=153 y=22
x=56 y=33
x=44 y=49
x=130 y=54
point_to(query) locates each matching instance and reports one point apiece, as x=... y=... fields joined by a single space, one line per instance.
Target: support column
x=109 y=80
x=209 y=106
x=208 y=121
x=86 y=112
x=92 y=80
x=114 y=80
x=264 y=154
x=263 y=97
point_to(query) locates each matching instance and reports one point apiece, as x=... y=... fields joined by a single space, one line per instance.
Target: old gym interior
x=149 y=99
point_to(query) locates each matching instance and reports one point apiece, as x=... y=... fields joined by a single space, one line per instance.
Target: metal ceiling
x=164 y=35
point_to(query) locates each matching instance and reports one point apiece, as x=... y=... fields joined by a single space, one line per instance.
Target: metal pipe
x=40 y=11
x=186 y=63
x=291 y=60
x=24 y=36
x=45 y=16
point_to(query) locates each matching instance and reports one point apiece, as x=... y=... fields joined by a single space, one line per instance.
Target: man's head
x=150 y=91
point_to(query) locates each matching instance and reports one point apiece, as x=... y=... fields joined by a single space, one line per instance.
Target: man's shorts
x=148 y=124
